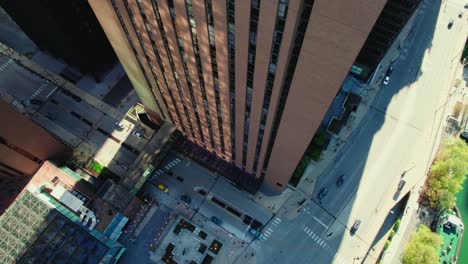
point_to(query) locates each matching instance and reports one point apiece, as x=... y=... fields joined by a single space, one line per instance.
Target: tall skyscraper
x=247 y=80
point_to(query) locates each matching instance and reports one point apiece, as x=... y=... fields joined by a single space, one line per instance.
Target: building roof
x=37 y=227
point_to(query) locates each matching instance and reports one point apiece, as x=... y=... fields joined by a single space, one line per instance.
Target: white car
x=386 y=80
x=137 y=134
x=120 y=125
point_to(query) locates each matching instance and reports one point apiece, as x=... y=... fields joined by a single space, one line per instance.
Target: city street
x=396 y=137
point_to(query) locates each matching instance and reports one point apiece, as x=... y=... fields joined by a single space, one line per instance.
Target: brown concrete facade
x=184 y=86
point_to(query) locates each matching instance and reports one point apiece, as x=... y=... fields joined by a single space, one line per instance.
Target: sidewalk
x=368 y=94
x=411 y=219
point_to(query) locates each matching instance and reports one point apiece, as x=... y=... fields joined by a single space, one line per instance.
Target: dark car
x=340 y=180
x=466 y=6
x=389 y=71
x=401 y=184
x=450 y=24
x=35 y=102
x=355 y=226
x=147 y=198
x=322 y=193
x=216 y=220
x=186 y=198
x=464 y=136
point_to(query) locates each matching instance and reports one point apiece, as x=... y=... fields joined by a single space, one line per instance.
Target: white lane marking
x=268 y=232
x=313 y=236
x=306 y=229
x=320 y=222
x=315 y=239
x=278 y=220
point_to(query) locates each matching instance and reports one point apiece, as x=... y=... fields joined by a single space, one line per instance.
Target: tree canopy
x=447 y=174
x=423 y=247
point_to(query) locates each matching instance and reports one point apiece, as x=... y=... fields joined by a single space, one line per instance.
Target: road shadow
x=340 y=204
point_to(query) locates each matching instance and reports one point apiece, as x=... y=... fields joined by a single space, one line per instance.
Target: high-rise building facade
x=24 y=146
x=247 y=80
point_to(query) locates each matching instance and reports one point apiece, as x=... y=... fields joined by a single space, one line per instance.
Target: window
x=275 y=48
x=291 y=67
x=254 y=12
x=195 y=47
x=214 y=67
x=231 y=68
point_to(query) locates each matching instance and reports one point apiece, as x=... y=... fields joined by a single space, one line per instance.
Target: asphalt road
x=395 y=137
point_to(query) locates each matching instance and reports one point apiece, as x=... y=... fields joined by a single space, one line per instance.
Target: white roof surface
x=66 y=198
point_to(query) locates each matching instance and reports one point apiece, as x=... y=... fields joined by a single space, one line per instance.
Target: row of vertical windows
x=275 y=48
x=171 y=61
x=184 y=60
x=158 y=59
x=254 y=12
x=196 y=51
x=291 y=67
x=214 y=67
x=147 y=28
x=135 y=53
x=231 y=33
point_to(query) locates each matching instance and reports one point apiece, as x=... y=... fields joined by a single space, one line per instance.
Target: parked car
x=216 y=220
x=340 y=180
x=322 y=193
x=460 y=14
x=466 y=6
x=355 y=226
x=386 y=80
x=389 y=71
x=186 y=198
x=119 y=125
x=401 y=184
x=163 y=188
x=464 y=136
x=450 y=24
x=137 y=134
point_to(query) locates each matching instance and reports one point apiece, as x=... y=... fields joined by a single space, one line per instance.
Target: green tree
x=447 y=174
x=423 y=247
